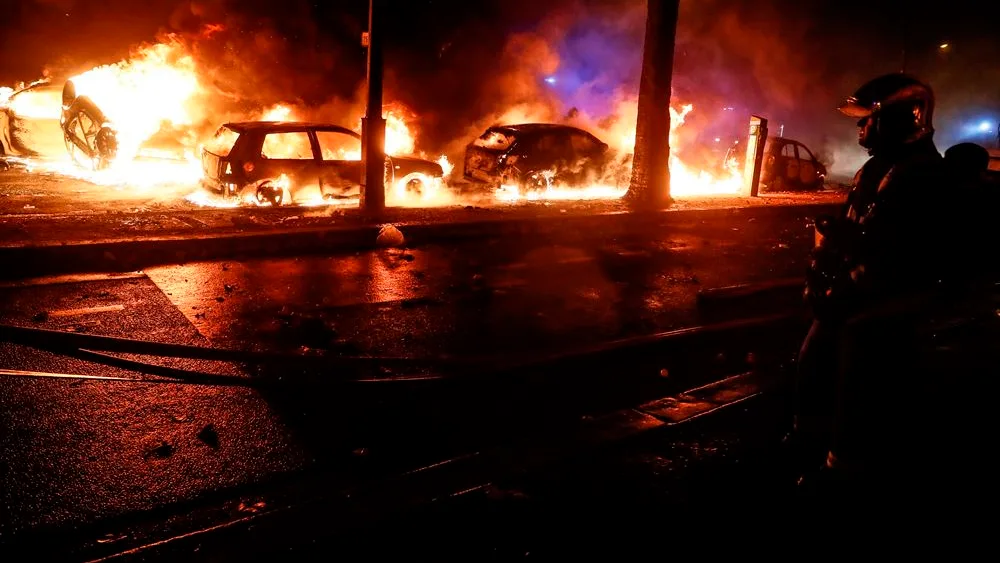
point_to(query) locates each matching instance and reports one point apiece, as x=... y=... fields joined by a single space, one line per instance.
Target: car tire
x=270 y=194
x=89 y=140
x=534 y=182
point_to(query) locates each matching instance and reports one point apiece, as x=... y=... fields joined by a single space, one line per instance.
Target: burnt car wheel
x=534 y=182
x=90 y=141
x=269 y=194
x=415 y=186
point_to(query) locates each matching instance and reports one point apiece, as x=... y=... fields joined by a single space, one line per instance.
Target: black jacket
x=888 y=239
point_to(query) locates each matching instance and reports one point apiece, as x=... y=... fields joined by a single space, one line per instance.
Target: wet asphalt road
x=78 y=451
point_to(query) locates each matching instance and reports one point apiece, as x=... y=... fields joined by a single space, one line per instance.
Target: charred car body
x=788 y=165
x=257 y=158
x=34 y=115
x=534 y=156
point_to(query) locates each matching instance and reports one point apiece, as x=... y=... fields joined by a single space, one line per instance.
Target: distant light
x=985 y=126
x=717 y=139
x=943 y=46
x=727 y=108
x=551 y=79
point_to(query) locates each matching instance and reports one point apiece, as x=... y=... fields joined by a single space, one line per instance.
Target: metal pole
x=373 y=125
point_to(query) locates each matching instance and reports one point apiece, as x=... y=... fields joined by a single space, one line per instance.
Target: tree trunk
x=650 y=186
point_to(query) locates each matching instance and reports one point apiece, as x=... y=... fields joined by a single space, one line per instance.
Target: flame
x=152 y=88
x=279 y=112
x=446 y=166
x=35 y=104
x=398 y=138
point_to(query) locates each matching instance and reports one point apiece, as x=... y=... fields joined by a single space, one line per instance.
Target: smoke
x=580 y=62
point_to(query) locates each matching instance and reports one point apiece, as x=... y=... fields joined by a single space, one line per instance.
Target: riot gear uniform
x=870 y=263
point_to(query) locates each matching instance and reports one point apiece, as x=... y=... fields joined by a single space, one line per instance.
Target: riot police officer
x=871 y=268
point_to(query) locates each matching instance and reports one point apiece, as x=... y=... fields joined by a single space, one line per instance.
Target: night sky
x=453 y=61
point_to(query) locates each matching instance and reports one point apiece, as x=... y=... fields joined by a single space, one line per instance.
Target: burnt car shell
x=788 y=165
x=30 y=121
x=516 y=154
x=321 y=154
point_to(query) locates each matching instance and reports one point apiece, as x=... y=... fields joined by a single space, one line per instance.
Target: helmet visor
x=852 y=108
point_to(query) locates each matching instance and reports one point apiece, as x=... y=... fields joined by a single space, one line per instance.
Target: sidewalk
x=75 y=242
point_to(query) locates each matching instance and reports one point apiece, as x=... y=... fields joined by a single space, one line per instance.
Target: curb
x=121 y=256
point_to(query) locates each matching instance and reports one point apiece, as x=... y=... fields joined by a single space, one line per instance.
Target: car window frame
x=812 y=157
x=318 y=149
x=310 y=134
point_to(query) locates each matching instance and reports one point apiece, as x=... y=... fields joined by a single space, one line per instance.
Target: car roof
x=285 y=127
x=535 y=128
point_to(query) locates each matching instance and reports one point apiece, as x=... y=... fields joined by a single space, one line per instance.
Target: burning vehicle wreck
x=33 y=125
x=276 y=162
x=532 y=157
x=788 y=165
x=32 y=116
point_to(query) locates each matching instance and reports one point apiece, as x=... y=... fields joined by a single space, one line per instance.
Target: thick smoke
x=732 y=59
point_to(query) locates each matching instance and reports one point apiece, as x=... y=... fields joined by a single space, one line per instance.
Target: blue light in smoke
x=597 y=60
x=550 y=79
x=985 y=126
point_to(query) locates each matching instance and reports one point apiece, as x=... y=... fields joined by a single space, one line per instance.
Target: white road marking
x=86 y=311
x=72 y=278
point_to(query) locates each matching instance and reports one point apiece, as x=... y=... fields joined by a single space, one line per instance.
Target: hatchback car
x=255 y=154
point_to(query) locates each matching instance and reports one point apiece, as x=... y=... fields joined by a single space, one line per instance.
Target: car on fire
x=33 y=115
x=533 y=156
x=266 y=159
x=788 y=165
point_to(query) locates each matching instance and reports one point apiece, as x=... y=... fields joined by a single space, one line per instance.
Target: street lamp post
x=373 y=124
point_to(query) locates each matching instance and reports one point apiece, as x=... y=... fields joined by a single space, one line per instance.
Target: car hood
x=415 y=164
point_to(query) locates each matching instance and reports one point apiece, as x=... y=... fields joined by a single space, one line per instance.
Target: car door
x=340 y=163
x=589 y=157
x=288 y=153
x=807 y=165
x=790 y=163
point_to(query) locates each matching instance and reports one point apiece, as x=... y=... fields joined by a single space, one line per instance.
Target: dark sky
x=454 y=62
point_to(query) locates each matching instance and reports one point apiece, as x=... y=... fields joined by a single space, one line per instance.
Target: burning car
x=788 y=165
x=43 y=120
x=270 y=160
x=534 y=156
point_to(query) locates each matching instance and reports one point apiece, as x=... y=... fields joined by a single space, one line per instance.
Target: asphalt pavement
x=83 y=451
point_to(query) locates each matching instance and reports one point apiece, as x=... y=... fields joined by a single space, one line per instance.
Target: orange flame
x=139 y=95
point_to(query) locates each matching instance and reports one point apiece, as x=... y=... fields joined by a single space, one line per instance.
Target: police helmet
x=901 y=106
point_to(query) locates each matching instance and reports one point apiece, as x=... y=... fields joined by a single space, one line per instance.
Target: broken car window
x=222 y=142
x=338 y=146
x=494 y=140
x=287 y=146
